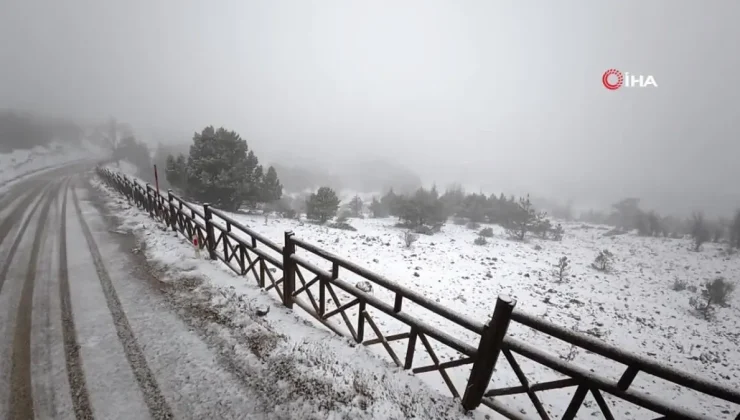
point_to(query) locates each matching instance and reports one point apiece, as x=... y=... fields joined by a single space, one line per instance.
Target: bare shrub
x=603 y=261
x=562 y=269
x=472 y=225
x=409 y=238
x=480 y=241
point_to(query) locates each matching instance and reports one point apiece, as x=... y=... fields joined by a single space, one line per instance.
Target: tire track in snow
x=10 y=221
x=75 y=372
x=21 y=394
x=10 y=196
x=155 y=401
x=9 y=298
x=16 y=214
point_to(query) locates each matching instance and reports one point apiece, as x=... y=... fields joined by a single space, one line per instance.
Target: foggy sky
x=502 y=95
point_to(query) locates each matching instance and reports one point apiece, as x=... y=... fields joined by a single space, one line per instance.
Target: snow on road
x=632 y=307
x=19 y=163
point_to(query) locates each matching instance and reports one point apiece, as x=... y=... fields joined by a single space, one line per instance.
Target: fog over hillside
x=497 y=96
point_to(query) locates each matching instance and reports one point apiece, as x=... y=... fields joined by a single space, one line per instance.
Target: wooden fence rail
x=293 y=276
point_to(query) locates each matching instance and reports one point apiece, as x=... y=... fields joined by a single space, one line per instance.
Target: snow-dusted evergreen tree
x=735 y=231
x=176 y=172
x=221 y=169
x=253 y=193
x=272 y=189
x=355 y=206
x=136 y=153
x=322 y=205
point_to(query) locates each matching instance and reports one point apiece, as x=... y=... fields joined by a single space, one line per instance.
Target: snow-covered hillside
x=22 y=162
x=633 y=306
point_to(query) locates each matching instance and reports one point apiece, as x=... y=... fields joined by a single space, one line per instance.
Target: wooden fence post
x=210 y=237
x=489 y=348
x=173 y=211
x=288 y=270
x=149 y=205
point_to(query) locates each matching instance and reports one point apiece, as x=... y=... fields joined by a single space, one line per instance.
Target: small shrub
x=409 y=238
x=486 y=232
x=542 y=228
x=558 y=232
x=424 y=230
x=714 y=292
x=603 y=261
x=562 y=269
x=343 y=226
x=437 y=227
x=480 y=241
x=473 y=225
x=717 y=291
x=679 y=285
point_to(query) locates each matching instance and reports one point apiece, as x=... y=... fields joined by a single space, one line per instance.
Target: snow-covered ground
x=19 y=163
x=632 y=307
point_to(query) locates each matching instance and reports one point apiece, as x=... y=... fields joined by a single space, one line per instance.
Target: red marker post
x=197 y=246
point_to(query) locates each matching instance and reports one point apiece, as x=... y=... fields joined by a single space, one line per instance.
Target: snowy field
x=18 y=163
x=632 y=307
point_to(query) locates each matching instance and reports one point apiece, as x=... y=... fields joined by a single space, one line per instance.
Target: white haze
x=505 y=96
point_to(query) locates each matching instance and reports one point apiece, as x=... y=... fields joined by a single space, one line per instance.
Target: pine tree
x=391 y=202
x=221 y=169
x=355 y=206
x=378 y=209
x=699 y=230
x=523 y=220
x=735 y=231
x=322 y=205
x=272 y=189
x=176 y=171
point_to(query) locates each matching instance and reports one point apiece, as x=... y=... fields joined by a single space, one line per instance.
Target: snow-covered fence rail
x=246 y=251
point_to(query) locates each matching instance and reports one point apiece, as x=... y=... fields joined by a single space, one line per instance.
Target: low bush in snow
x=486 y=232
x=480 y=241
x=409 y=238
x=679 y=285
x=714 y=292
x=558 y=232
x=343 y=226
x=603 y=261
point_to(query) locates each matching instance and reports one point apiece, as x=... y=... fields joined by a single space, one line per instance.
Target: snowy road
x=83 y=334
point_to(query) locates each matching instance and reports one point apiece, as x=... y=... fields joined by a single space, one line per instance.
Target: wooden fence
x=246 y=251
